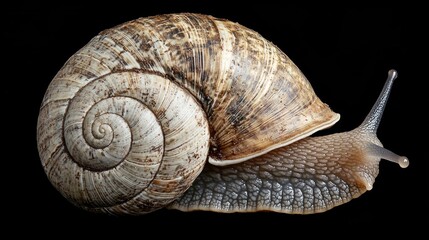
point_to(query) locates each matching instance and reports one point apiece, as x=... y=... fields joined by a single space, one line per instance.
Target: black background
x=344 y=53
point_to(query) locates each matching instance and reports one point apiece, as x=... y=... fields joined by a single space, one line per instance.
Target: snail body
x=129 y=122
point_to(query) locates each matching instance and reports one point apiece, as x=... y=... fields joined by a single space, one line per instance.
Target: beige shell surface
x=255 y=98
x=129 y=121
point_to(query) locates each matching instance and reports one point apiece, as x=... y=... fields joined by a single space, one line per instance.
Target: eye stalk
x=386 y=154
x=372 y=121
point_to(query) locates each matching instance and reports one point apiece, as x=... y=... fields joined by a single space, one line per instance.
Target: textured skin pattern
x=309 y=176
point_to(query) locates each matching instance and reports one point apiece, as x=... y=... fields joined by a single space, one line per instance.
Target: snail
x=192 y=112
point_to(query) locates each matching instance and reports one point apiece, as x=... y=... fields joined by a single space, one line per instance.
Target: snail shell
x=130 y=120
